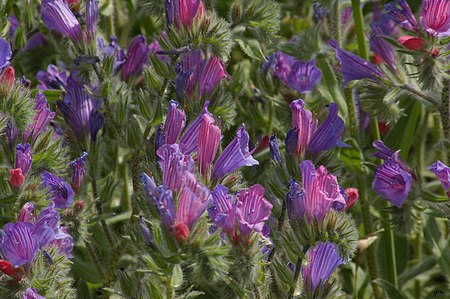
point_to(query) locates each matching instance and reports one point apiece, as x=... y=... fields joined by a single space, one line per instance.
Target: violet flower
x=275 y=153
x=234 y=156
x=401 y=13
x=57 y=16
x=195 y=72
x=63 y=241
x=208 y=143
x=5 y=53
x=223 y=210
x=380 y=46
x=183 y=12
x=40 y=121
x=137 y=57
x=435 y=17
x=155 y=47
x=319 y=192
x=26 y=213
x=52 y=78
x=80 y=111
x=353 y=66
x=46 y=225
x=11 y=132
x=32 y=294
x=392 y=179
x=174 y=164
x=442 y=172
x=113 y=49
x=78 y=171
x=91 y=18
x=323 y=259
x=189 y=141
x=60 y=192
x=19 y=244
x=175 y=122
x=24 y=157
x=13 y=25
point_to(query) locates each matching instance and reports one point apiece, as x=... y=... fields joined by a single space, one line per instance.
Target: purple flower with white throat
x=401 y=13
x=5 y=53
x=60 y=192
x=318 y=194
x=323 y=259
x=353 y=66
x=442 y=172
x=57 y=16
x=306 y=137
x=78 y=171
x=435 y=17
x=137 y=57
x=234 y=156
x=24 y=157
x=80 y=111
x=42 y=118
x=392 y=179
x=19 y=245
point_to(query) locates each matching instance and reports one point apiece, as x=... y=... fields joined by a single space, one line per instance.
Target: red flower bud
x=7 y=268
x=411 y=42
x=79 y=206
x=181 y=232
x=16 y=177
x=352 y=194
x=7 y=78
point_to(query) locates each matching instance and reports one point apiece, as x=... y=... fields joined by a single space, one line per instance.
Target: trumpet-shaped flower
x=137 y=57
x=42 y=118
x=78 y=171
x=24 y=157
x=401 y=13
x=435 y=17
x=57 y=16
x=60 y=192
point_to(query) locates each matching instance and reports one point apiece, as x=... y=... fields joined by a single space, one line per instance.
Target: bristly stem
x=445 y=112
x=389 y=235
x=298 y=267
x=335 y=29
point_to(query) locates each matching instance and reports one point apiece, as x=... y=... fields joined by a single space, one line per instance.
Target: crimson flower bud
x=411 y=42
x=16 y=177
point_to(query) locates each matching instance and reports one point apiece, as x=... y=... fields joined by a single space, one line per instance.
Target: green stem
x=445 y=113
x=359 y=28
x=298 y=265
x=335 y=29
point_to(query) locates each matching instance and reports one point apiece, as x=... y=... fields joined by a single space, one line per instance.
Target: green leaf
x=389 y=290
x=177 y=276
x=432 y=197
x=251 y=48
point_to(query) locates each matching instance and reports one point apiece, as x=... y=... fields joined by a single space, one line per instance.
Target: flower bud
x=181 y=232
x=79 y=206
x=7 y=78
x=352 y=195
x=7 y=268
x=16 y=177
x=411 y=42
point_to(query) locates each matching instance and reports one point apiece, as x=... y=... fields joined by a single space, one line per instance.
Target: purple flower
x=46 y=225
x=320 y=13
x=137 y=57
x=252 y=210
x=35 y=41
x=23 y=157
x=57 y=16
x=195 y=72
x=234 y=156
x=442 y=172
x=392 y=182
x=113 y=49
x=323 y=259
x=385 y=153
x=182 y=12
x=32 y=294
x=42 y=118
x=208 y=143
x=353 y=66
x=52 y=78
x=91 y=17
x=223 y=210
x=320 y=191
x=13 y=25
x=160 y=138
x=401 y=13
x=60 y=192
x=63 y=241
x=81 y=111
x=301 y=76
x=11 y=133
x=162 y=199
x=380 y=46
x=19 y=245
x=146 y=234
x=26 y=213
x=174 y=164
x=175 y=122
x=155 y=47
x=78 y=171
x=189 y=140
x=5 y=53
x=435 y=17
x=275 y=153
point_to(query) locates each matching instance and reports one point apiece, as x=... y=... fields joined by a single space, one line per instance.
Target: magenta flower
x=63 y=241
x=195 y=73
x=175 y=122
x=32 y=294
x=401 y=13
x=5 y=53
x=323 y=259
x=223 y=210
x=442 y=172
x=26 y=213
x=60 y=192
x=183 y=12
x=208 y=143
x=19 y=244
x=353 y=66
x=78 y=171
x=23 y=157
x=137 y=57
x=392 y=179
x=46 y=225
x=306 y=137
x=174 y=164
x=234 y=156
x=319 y=192
x=42 y=118
x=435 y=17
x=57 y=16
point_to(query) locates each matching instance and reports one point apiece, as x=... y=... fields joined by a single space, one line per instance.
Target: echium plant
x=224 y=149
